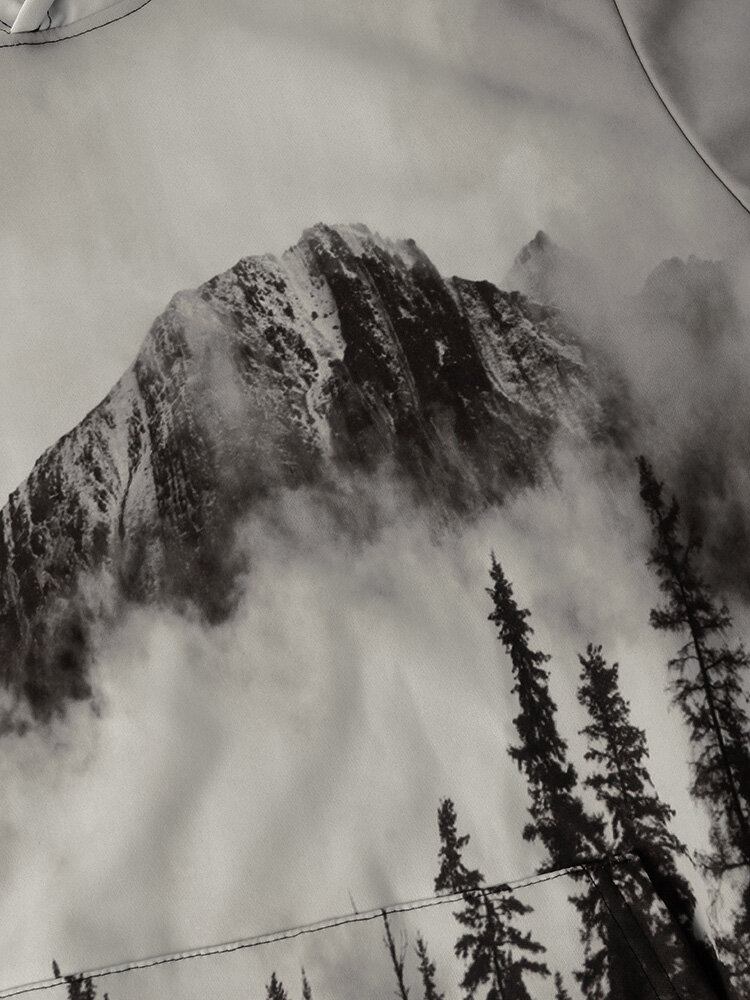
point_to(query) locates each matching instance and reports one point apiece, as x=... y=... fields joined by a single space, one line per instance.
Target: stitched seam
x=683 y=131
x=316 y=928
x=76 y=34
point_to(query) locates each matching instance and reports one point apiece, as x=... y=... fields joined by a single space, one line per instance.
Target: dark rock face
x=346 y=352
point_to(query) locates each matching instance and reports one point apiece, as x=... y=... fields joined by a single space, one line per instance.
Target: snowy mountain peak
x=346 y=352
x=361 y=241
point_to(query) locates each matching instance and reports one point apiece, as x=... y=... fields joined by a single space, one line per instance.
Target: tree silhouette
x=707 y=672
x=397 y=959
x=560 y=992
x=275 y=989
x=638 y=817
x=306 y=988
x=622 y=782
x=79 y=987
x=493 y=948
x=708 y=677
x=559 y=818
x=427 y=972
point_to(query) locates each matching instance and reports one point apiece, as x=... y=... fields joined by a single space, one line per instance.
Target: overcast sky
x=145 y=157
x=148 y=155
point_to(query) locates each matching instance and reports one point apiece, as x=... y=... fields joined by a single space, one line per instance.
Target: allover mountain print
x=281 y=585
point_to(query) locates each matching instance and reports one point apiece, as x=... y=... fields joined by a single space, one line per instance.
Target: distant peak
x=540 y=245
x=694 y=274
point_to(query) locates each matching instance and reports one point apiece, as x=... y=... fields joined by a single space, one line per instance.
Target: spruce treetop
x=275 y=989
x=622 y=783
x=495 y=950
x=453 y=875
x=558 y=817
x=427 y=971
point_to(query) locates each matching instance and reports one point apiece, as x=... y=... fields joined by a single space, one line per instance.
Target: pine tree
x=622 y=783
x=306 y=988
x=453 y=875
x=560 y=992
x=707 y=672
x=397 y=959
x=275 y=989
x=80 y=987
x=427 y=972
x=494 y=949
x=709 y=675
x=639 y=819
x=559 y=818
x=74 y=984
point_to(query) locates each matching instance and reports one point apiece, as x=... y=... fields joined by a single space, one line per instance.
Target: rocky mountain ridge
x=346 y=353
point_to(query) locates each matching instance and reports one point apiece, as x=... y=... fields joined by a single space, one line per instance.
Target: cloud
x=255 y=774
x=679 y=351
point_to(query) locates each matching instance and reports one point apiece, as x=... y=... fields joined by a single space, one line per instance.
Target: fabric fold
x=31 y=16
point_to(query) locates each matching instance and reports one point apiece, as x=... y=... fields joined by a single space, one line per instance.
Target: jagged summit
x=361 y=240
x=346 y=352
x=696 y=296
x=541 y=243
x=548 y=272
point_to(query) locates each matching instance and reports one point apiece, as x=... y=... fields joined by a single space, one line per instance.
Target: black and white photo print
x=374 y=500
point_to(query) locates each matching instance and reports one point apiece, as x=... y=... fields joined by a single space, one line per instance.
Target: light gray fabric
x=696 y=52
x=38 y=21
x=32 y=15
x=190 y=778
